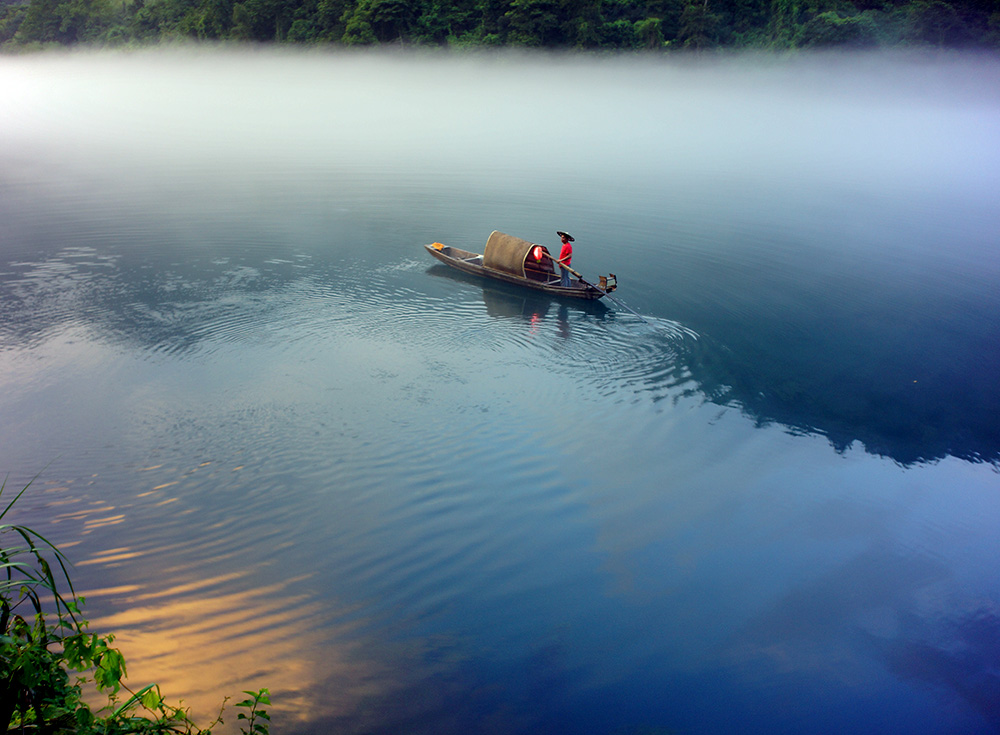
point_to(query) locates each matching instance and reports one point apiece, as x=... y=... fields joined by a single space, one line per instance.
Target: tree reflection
x=906 y=395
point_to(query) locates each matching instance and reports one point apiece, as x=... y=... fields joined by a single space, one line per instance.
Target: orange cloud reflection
x=207 y=639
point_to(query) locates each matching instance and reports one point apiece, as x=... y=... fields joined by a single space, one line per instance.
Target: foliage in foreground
x=48 y=657
x=582 y=24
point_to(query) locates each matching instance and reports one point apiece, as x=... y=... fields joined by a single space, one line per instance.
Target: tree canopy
x=576 y=24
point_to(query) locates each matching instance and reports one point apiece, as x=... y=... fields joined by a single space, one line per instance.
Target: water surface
x=285 y=448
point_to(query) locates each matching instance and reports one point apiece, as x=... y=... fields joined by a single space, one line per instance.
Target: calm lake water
x=285 y=448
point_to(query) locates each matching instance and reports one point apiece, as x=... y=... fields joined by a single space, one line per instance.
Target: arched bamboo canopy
x=509 y=254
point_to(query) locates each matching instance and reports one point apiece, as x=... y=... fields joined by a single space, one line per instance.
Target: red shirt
x=566 y=254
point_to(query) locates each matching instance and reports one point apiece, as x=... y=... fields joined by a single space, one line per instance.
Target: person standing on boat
x=565 y=256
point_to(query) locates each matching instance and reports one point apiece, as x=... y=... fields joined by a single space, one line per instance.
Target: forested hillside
x=579 y=24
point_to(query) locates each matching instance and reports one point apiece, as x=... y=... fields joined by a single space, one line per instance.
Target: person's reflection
x=535 y=318
x=562 y=320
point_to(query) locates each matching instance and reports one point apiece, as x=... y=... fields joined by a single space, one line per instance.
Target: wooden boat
x=513 y=260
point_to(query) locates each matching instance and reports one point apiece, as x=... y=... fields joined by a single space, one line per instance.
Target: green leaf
x=150 y=697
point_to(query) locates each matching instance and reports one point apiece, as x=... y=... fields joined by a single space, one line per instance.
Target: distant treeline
x=578 y=24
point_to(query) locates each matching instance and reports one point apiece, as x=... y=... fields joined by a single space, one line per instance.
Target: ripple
x=227 y=304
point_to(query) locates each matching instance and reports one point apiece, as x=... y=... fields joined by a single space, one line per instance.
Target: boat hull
x=471 y=263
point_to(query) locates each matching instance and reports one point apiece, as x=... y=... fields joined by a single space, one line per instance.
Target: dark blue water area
x=284 y=447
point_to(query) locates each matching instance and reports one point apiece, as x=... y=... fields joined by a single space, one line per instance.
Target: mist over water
x=285 y=448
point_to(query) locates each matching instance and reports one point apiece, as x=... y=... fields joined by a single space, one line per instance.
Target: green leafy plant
x=44 y=637
x=255 y=713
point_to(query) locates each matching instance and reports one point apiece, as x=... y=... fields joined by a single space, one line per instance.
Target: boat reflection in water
x=503 y=301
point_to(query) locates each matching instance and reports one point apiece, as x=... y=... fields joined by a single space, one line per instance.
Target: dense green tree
x=380 y=21
x=330 y=23
x=42 y=23
x=438 y=22
x=619 y=34
x=262 y=20
x=64 y=21
x=615 y=10
x=392 y=19
x=453 y=21
x=152 y=20
x=582 y=21
x=832 y=29
x=783 y=22
x=937 y=23
x=669 y=13
x=649 y=33
x=613 y=24
x=535 y=23
x=357 y=31
x=209 y=20
x=699 y=26
x=491 y=20
x=303 y=30
x=743 y=22
x=11 y=17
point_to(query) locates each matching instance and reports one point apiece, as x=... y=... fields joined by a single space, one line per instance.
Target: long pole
x=596 y=288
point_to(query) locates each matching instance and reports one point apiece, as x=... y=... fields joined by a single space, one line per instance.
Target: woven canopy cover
x=507 y=253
